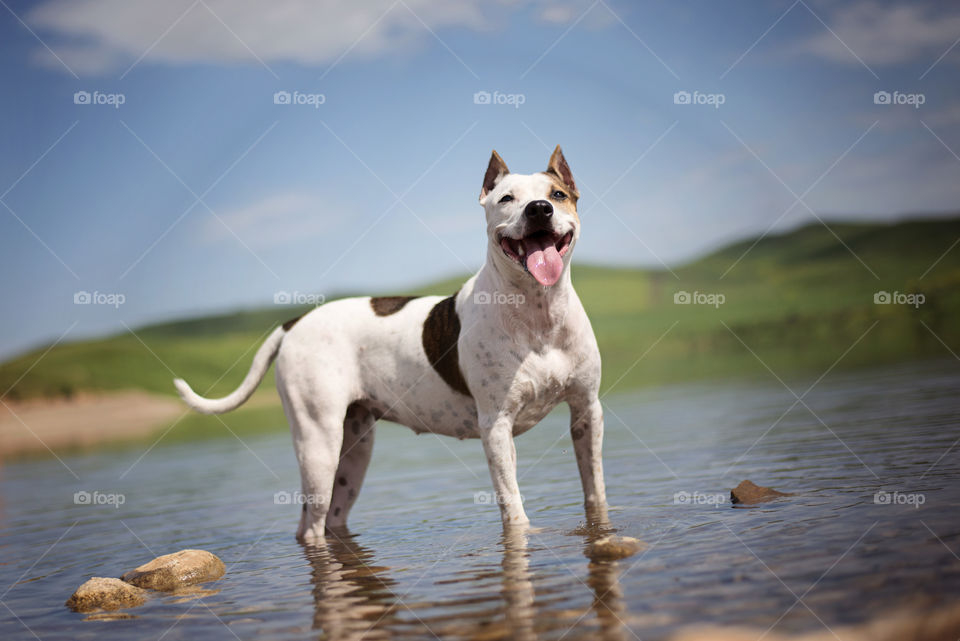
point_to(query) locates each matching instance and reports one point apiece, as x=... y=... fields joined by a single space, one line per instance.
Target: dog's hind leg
x=355 y=455
x=317 y=429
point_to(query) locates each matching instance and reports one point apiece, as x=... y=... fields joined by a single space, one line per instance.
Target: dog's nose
x=538 y=209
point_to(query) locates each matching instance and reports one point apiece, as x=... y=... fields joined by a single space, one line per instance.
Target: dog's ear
x=559 y=168
x=496 y=170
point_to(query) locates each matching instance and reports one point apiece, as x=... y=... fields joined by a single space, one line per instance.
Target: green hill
x=797 y=300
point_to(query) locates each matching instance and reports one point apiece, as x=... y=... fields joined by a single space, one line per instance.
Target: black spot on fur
x=336 y=511
x=342 y=480
x=290 y=323
x=441 y=330
x=386 y=305
x=577 y=433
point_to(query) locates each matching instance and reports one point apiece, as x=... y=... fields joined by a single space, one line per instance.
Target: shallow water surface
x=870 y=457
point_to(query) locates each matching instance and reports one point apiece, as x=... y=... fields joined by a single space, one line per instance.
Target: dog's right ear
x=496 y=170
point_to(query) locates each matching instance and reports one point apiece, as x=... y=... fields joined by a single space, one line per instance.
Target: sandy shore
x=44 y=425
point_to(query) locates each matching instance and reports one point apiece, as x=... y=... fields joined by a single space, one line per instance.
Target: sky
x=186 y=157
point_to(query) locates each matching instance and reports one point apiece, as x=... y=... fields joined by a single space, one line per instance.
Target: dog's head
x=532 y=219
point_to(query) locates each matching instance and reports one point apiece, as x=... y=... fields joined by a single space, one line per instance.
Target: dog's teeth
x=520 y=250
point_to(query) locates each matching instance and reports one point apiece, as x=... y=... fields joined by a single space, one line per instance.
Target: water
x=426 y=560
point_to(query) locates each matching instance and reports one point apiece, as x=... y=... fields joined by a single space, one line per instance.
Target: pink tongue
x=543 y=260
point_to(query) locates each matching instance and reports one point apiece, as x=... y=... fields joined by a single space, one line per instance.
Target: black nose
x=538 y=209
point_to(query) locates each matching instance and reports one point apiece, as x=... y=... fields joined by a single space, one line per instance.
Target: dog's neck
x=525 y=306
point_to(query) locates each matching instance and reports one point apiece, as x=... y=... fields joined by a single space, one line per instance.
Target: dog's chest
x=540 y=383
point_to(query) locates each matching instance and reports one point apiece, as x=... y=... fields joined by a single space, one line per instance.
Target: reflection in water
x=356 y=599
x=352 y=596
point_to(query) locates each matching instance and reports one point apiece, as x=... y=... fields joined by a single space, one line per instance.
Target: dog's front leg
x=497 y=436
x=586 y=430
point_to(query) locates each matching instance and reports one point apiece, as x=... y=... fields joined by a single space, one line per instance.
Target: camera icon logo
x=882 y=298
x=481 y=98
x=281 y=98
x=681 y=98
x=282 y=498
x=81 y=98
x=81 y=498
x=281 y=298
x=882 y=498
x=881 y=98
x=481 y=298
x=681 y=498
x=482 y=498
x=82 y=298
x=681 y=298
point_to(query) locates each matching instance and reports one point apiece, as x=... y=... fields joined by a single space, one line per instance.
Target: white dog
x=488 y=362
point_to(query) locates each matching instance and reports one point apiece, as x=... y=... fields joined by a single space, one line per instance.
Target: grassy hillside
x=798 y=300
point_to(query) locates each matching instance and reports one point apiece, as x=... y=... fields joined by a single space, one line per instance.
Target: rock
x=610 y=548
x=101 y=593
x=749 y=492
x=172 y=571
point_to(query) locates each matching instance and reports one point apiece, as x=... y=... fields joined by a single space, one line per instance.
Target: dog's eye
x=558 y=195
x=506 y=199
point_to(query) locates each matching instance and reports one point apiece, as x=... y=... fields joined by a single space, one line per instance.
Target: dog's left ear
x=559 y=168
x=496 y=170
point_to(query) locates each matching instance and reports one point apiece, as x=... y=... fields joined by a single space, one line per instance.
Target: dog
x=489 y=362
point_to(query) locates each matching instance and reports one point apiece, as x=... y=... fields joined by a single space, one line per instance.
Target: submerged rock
x=750 y=492
x=610 y=548
x=172 y=571
x=101 y=593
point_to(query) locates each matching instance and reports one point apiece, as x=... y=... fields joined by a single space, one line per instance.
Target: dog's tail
x=261 y=363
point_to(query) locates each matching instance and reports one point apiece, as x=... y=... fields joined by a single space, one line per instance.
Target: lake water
x=427 y=560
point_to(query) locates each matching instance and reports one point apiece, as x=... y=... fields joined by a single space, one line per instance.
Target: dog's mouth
x=540 y=253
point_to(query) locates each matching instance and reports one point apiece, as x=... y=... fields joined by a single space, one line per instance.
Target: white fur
x=519 y=360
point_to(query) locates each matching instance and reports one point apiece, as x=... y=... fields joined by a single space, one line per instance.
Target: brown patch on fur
x=441 y=330
x=576 y=433
x=290 y=323
x=386 y=305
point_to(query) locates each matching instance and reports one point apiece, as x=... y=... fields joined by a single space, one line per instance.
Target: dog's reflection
x=356 y=599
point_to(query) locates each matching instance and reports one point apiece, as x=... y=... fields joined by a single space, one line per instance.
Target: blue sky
x=198 y=193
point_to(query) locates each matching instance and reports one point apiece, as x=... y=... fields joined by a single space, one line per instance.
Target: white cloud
x=279 y=219
x=884 y=34
x=95 y=36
